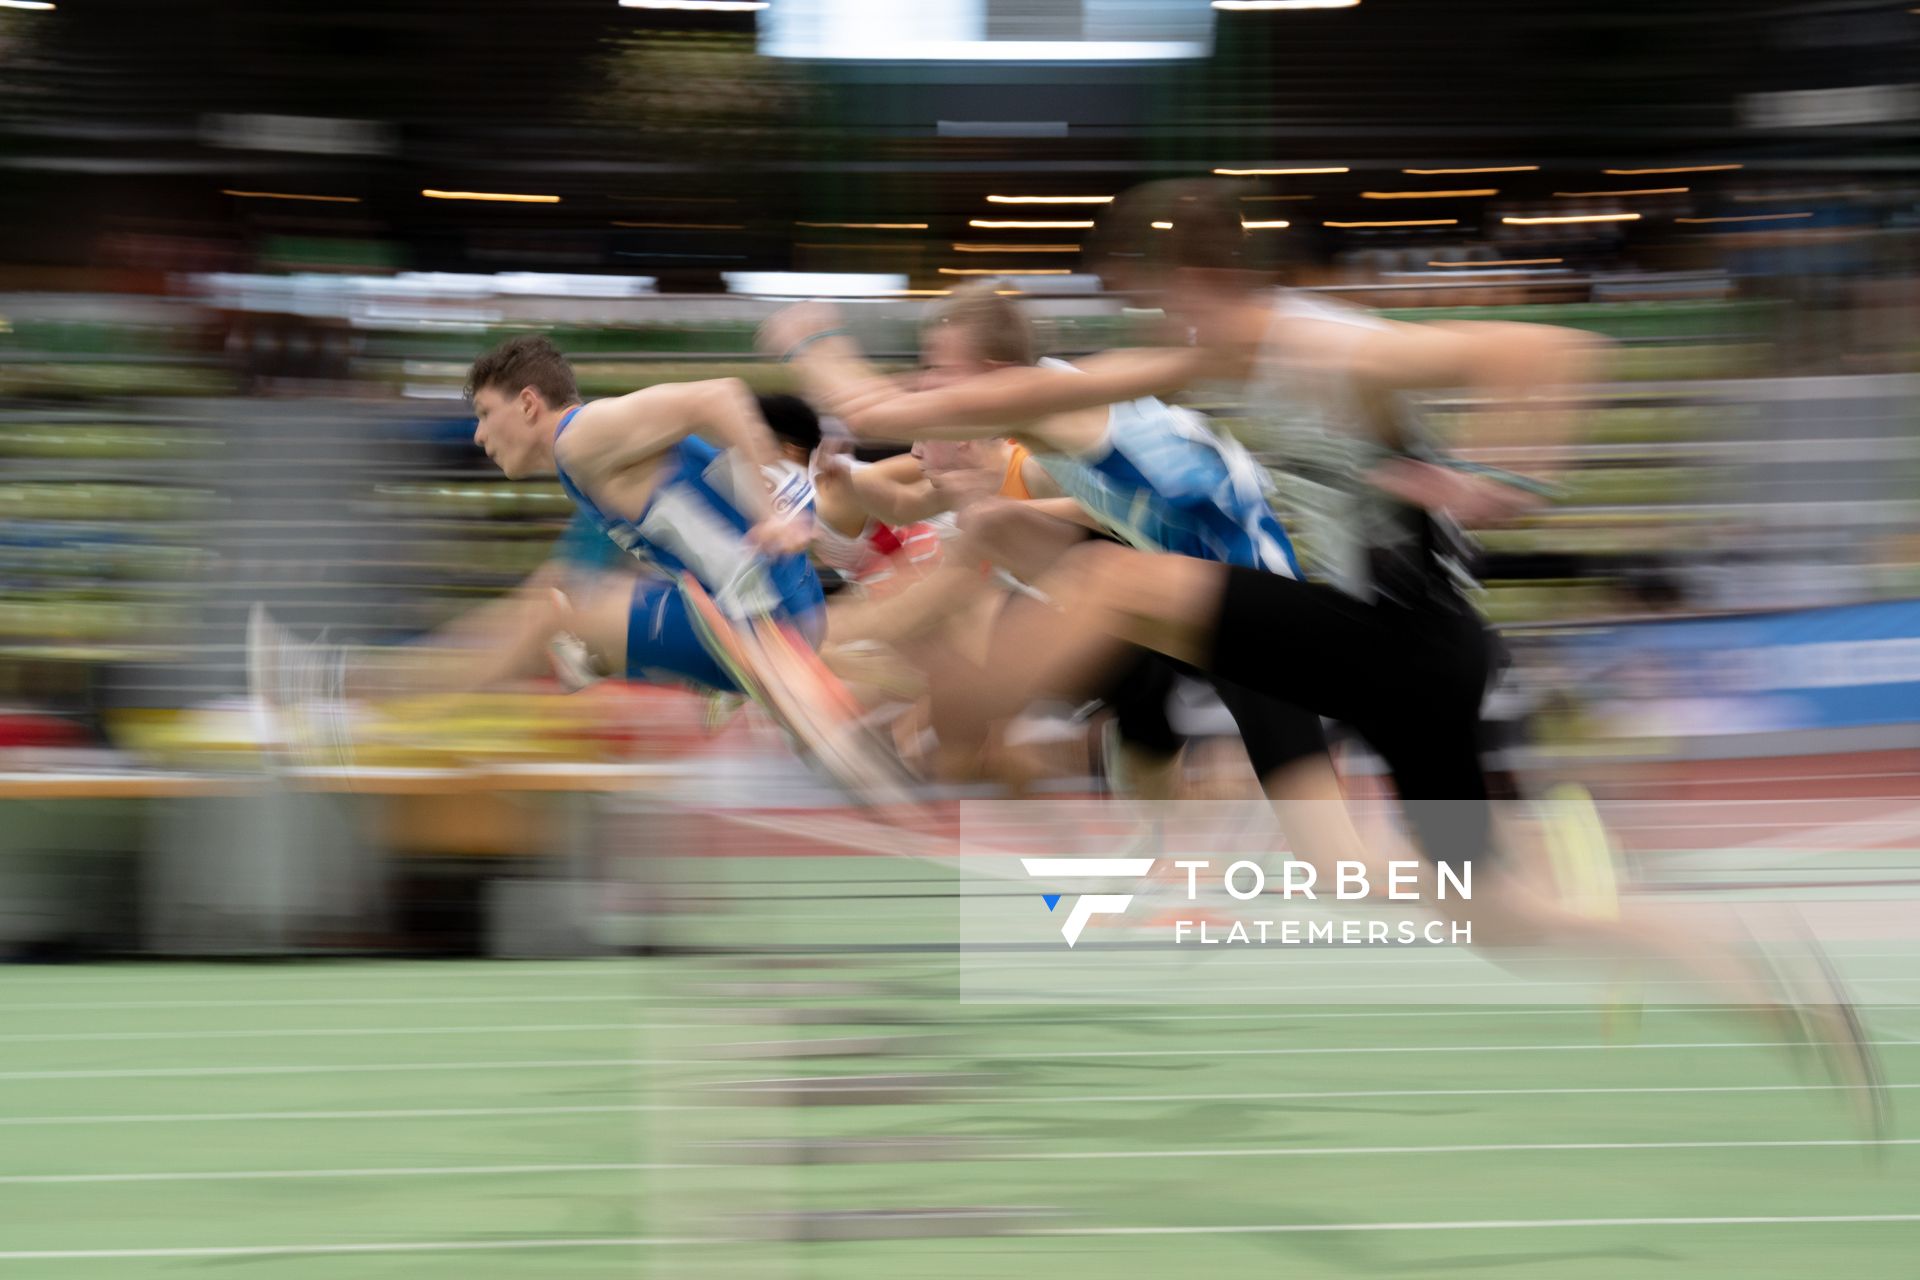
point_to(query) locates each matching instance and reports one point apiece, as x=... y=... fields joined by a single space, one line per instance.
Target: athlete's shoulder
x=1298 y=305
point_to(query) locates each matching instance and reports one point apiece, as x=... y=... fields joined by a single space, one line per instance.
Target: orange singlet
x=1014 y=484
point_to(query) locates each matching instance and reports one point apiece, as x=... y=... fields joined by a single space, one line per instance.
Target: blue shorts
x=664 y=646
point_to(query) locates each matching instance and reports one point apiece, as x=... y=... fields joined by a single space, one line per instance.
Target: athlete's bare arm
x=1526 y=372
x=610 y=436
x=896 y=491
x=1013 y=398
x=614 y=438
x=1062 y=508
x=1516 y=366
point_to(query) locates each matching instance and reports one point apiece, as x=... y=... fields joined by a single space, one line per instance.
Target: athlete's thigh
x=1040 y=652
x=1277 y=734
x=644 y=628
x=1024 y=542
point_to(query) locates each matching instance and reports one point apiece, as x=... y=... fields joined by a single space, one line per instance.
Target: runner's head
x=519 y=391
x=793 y=423
x=975 y=331
x=1182 y=245
x=941 y=458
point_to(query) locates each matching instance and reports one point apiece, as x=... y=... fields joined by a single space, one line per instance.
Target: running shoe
x=1588 y=874
x=1823 y=1018
x=298 y=696
x=574 y=665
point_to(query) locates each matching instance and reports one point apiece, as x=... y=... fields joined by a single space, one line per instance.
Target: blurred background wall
x=247 y=250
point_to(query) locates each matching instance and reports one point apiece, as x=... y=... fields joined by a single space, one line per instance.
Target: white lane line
x=391 y=1246
x=1182 y=957
x=1310 y=1094
x=1488 y=1224
x=1230 y=1153
x=325 y=1001
x=1169 y=984
x=1222 y=1153
x=248 y=1175
x=272 y=1033
x=639 y=1242
x=1139 y=1014
x=324 y=972
x=144 y=1073
x=450 y=1113
x=89 y=1037
x=419 y=1113
x=975 y=965
x=150 y=1073
x=1118 y=1014
x=1313 y=1051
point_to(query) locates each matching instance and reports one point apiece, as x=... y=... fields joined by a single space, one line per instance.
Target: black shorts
x=1408 y=680
x=1276 y=734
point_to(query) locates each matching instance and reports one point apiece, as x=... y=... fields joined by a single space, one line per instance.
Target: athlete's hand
x=782 y=535
x=961 y=488
x=1474 y=501
x=833 y=465
x=789 y=326
x=855 y=403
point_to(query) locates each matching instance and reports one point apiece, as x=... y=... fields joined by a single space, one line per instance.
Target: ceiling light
x=697 y=6
x=1016 y=248
x=1430 y=195
x=1573 y=217
x=1276 y=6
x=1685 y=168
x=1259 y=173
x=1495 y=168
x=1049 y=199
x=502 y=196
x=1411 y=222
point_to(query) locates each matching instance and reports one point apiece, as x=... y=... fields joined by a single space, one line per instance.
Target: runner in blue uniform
x=712 y=560
x=1142 y=471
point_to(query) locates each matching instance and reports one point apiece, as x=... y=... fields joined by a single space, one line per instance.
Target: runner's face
x=507 y=429
x=947 y=356
x=942 y=457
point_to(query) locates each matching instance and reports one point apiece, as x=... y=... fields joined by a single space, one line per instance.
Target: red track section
x=1825 y=777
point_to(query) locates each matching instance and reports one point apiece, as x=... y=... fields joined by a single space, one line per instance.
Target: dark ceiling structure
x=672 y=147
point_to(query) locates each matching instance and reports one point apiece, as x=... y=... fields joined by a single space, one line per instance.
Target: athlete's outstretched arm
x=1528 y=373
x=896 y=491
x=992 y=403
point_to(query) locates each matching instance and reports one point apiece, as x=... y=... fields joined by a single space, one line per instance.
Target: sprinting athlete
x=694 y=517
x=1142 y=470
x=1391 y=645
